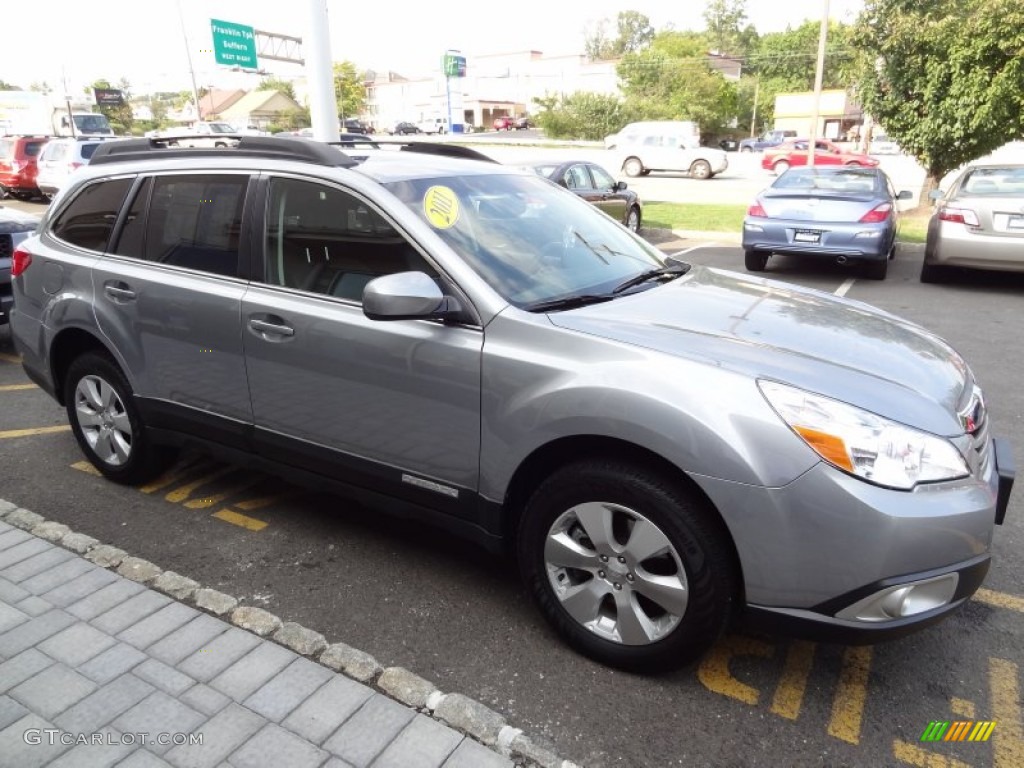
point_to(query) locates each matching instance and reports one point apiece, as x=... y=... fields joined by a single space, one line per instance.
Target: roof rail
x=446 y=150
x=265 y=147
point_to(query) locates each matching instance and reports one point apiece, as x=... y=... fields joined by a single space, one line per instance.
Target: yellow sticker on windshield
x=441 y=207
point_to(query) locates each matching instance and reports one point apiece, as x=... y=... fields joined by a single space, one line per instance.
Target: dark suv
x=471 y=344
x=18 y=165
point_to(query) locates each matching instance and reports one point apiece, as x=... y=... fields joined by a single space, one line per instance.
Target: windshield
x=221 y=128
x=529 y=239
x=91 y=124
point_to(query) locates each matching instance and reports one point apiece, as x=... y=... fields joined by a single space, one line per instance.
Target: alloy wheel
x=103 y=420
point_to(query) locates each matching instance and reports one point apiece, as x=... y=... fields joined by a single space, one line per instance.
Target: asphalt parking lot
x=413 y=597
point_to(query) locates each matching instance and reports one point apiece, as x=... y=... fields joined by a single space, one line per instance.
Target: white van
x=682 y=128
x=437 y=125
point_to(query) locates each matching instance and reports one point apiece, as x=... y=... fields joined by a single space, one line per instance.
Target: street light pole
x=188 y=53
x=819 y=75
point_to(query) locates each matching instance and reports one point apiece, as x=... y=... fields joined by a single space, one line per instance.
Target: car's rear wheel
x=746 y=149
x=755 y=261
x=633 y=219
x=107 y=424
x=780 y=167
x=701 y=169
x=633 y=167
x=853 y=164
x=876 y=269
x=627 y=565
x=933 y=273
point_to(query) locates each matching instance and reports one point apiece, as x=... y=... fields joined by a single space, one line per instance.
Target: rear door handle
x=119 y=291
x=270 y=329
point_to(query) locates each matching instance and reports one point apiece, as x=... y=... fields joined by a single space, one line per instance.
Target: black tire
x=143 y=460
x=701 y=169
x=633 y=219
x=933 y=273
x=633 y=167
x=755 y=261
x=692 y=546
x=876 y=269
x=746 y=149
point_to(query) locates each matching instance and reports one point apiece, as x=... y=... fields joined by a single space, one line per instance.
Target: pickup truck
x=769 y=139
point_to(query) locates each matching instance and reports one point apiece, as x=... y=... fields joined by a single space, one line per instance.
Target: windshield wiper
x=568 y=302
x=675 y=270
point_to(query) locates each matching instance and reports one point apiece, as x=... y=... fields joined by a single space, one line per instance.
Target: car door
x=392 y=406
x=168 y=295
x=609 y=198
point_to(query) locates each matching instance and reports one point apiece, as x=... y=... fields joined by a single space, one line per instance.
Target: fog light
x=903 y=600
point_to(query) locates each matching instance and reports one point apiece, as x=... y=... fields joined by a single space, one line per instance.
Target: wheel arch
x=548 y=458
x=68 y=345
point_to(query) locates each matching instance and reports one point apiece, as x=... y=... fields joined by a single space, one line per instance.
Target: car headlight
x=862 y=443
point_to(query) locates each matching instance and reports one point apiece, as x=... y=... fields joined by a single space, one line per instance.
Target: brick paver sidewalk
x=98 y=670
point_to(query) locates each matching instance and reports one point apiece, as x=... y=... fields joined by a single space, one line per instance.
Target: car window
x=529 y=240
x=88 y=150
x=89 y=219
x=190 y=221
x=602 y=180
x=993 y=182
x=576 y=177
x=652 y=141
x=33 y=148
x=325 y=240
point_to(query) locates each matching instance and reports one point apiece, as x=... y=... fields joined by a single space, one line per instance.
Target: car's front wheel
x=780 y=167
x=633 y=219
x=628 y=565
x=633 y=167
x=701 y=169
x=107 y=424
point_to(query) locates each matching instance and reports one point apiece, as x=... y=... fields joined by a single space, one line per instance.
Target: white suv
x=62 y=157
x=666 y=148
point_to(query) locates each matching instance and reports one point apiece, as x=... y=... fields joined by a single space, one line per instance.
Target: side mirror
x=904 y=194
x=406 y=296
x=935 y=194
x=620 y=186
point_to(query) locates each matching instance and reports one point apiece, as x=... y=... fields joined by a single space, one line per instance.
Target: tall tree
x=724 y=19
x=672 y=80
x=349 y=89
x=277 y=84
x=634 y=34
x=945 y=78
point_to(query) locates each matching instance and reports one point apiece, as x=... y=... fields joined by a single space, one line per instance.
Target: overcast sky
x=143 y=39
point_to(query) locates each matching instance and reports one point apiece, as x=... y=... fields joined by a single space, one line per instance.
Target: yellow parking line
x=230 y=516
x=714 y=671
x=265 y=501
x=911 y=754
x=206 y=502
x=790 y=693
x=962 y=708
x=1000 y=599
x=10 y=358
x=88 y=468
x=37 y=431
x=1008 y=741
x=171 y=476
x=179 y=495
x=848 y=705
x=17 y=387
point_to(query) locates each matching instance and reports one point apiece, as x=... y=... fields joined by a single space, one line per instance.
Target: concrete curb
x=460 y=712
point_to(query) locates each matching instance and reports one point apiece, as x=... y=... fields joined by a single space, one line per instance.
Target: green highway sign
x=234 y=45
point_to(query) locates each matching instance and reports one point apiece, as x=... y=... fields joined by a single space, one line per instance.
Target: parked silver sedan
x=828 y=212
x=978 y=222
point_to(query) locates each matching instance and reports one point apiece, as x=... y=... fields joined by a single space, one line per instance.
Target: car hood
x=12 y=221
x=767 y=329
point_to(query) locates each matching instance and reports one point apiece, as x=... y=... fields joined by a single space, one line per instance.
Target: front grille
x=6 y=247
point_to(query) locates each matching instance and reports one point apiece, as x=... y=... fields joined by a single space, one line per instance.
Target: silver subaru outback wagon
x=664 y=448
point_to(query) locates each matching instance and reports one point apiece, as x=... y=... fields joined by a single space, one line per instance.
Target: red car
x=504 y=123
x=18 y=167
x=794 y=152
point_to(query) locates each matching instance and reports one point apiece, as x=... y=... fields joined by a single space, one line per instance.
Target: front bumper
x=822 y=555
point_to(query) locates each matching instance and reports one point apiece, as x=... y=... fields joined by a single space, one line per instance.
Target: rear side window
x=88 y=221
x=192 y=221
x=33 y=148
x=88 y=150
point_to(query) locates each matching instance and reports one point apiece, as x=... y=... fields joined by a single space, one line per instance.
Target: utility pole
x=819 y=75
x=753 y=118
x=188 y=54
x=323 y=107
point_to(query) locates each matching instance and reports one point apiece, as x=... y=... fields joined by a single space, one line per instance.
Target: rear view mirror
x=904 y=194
x=620 y=186
x=406 y=296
